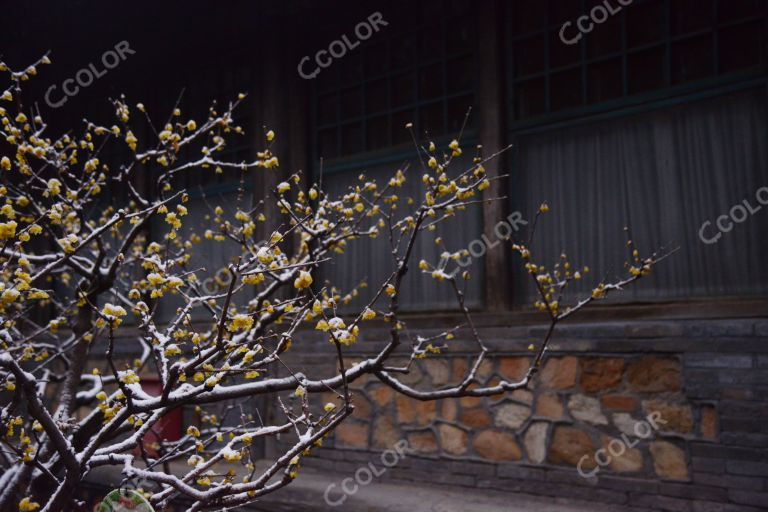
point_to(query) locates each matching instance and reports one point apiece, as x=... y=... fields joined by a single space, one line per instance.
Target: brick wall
x=704 y=381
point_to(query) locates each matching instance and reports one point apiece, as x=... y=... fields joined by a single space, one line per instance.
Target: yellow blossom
x=231 y=455
x=172 y=350
x=10 y=295
x=38 y=294
x=7 y=230
x=27 y=505
x=112 y=310
x=253 y=278
x=131 y=140
x=303 y=281
x=155 y=279
x=241 y=323
x=129 y=377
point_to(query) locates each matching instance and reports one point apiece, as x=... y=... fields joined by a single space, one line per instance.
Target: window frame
x=391 y=151
x=668 y=94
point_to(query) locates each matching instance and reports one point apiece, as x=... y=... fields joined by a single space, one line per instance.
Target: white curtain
x=209 y=254
x=663 y=174
x=372 y=259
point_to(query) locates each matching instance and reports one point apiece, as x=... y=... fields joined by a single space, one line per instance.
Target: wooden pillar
x=491 y=107
x=282 y=105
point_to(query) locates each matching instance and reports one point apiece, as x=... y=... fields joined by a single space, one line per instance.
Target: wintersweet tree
x=78 y=269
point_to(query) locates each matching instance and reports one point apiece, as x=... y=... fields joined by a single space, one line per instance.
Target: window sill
x=694 y=309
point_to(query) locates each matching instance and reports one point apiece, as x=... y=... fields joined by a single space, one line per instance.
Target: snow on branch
x=99 y=258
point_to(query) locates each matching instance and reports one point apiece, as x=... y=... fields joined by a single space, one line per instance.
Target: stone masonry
x=705 y=382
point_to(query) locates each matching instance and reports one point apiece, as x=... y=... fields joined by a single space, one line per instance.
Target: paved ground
x=306 y=493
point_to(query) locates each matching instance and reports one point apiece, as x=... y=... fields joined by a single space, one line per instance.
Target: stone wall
x=703 y=384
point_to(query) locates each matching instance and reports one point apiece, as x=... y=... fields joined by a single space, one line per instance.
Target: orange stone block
x=619 y=403
x=559 y=373
x=496 y=446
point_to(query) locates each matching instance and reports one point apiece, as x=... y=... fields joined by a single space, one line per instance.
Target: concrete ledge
x=306 y=494
x=307 y=491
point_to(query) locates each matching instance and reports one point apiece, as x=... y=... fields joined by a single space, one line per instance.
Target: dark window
x=422 y=74
x=645 y=46
x=420 y=70
x=604 y=80
x=600 y=177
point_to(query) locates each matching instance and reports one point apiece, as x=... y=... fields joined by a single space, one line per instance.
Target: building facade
x=650 y=115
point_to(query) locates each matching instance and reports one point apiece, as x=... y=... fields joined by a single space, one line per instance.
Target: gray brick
x=346 y=467
x=521 y=472
x=661 y=502
x=729 y=481
x=743 y=424
x=570 y=477
x=708 y=375
x=707 y=506
x=689 y=491
x=748 y=468
x=583 y=493
x=762 y=361
x=329 y=453
x=699 y=449
x=409 y=475
x=707 y=465
x=362 y=457
x=471 y=468
x=719 y=329
x=753 y=498
x=743 y=408
x=628 y=484
x=591 y=331
x=424 y=464
x=742 y=377
x=710 y=506
x=512 y=485
x=761 y=328
x=744 y=439
x=707 y=390
x=737 y=393
x=446 y=478
x=713 y=360
x=653 y=330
